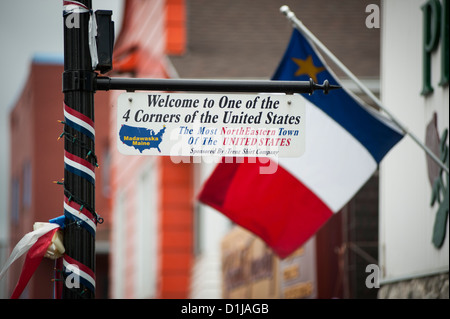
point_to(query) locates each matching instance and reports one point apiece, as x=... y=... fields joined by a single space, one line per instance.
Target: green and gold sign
x=435 y=30
x=440 y=195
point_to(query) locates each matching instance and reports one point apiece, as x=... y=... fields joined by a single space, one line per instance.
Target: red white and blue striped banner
x=79 y=166
x=78 y=213
x=74 y=271
x=40 y=242
x=35 y=244
x=79 y=122
x=74 y=211
x=74 y=7
x=81 y=273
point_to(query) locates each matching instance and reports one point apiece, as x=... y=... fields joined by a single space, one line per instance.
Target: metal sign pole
x=79 y=153
x=197 y=85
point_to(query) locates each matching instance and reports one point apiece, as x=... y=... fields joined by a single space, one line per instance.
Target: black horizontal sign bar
x=261 y=86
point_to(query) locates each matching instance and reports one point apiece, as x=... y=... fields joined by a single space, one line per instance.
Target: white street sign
x=241 y=125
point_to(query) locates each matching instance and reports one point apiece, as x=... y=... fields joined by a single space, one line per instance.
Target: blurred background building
x=30 y=107
x=36 y=154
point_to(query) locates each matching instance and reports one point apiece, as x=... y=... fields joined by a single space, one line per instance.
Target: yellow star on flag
x=307 y=67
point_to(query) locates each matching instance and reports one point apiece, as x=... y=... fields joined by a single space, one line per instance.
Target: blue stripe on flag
x=378 y=135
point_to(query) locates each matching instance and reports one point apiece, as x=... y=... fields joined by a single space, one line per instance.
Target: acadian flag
x=345 y=142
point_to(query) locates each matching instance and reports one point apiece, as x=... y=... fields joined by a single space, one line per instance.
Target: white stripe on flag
x=335 y=165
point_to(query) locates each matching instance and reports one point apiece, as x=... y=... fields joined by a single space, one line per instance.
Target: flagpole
x=301 y=27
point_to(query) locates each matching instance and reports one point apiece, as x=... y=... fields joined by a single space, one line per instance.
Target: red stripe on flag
x=276 y=207
x=32 y=261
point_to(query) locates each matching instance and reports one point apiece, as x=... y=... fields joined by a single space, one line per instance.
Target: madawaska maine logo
x=141 y=138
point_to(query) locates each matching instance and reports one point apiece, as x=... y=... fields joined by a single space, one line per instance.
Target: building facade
x=152 y=196
x=414 y=251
